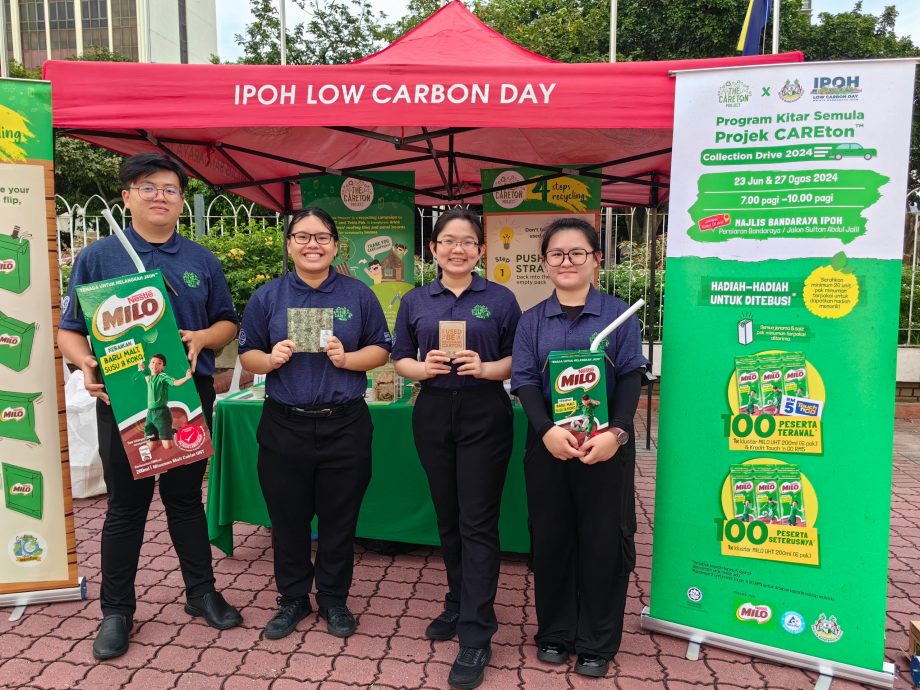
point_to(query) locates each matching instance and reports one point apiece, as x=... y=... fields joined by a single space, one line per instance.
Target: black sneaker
x=591 y=665
x=552 y=653
x=292 y=611
x=444 y=627
x=469 y=667
x=339 y=621
x=112 y=639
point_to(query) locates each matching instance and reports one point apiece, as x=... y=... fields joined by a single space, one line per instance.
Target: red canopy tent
x=446 y=99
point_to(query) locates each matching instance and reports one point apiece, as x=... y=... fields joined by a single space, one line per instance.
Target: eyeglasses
x=450 y=244
x=555 y=257
x=148 y=192
x=305 y=237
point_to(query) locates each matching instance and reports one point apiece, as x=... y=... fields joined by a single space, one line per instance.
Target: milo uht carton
x=579 y=392
x=146 y=372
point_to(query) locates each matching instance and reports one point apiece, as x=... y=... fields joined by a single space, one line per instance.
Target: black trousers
x=307 y=467
x=126 y=515
x=583 y=518
x=464 y=440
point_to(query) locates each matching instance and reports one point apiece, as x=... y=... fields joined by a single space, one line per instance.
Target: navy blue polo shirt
x=491 y=314
x=310 y=378
x=545 y=328
x=193 y=271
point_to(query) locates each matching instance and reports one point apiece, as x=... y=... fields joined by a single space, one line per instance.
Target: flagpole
x=613 y=30
x=776 y=26
x=284 y=35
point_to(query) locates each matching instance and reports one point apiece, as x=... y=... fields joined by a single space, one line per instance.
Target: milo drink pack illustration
x=579 y=393
x=17 y=416
x=743 y=495
x=23 y=490
x=770 y=493
x=15 y=342
x=765 y=380
x=146 y=372
x=15 y=266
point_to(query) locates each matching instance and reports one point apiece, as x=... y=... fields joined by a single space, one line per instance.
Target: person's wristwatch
x=620 y=435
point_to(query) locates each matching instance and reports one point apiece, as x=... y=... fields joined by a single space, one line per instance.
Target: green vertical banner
x=514 y=218
x=777 y=407
x=376 y=225
x=37 y=547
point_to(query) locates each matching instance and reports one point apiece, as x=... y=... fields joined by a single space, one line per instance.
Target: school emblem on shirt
x=481 y=311
x=605 y=343
x=342 y=314
x=191 y=279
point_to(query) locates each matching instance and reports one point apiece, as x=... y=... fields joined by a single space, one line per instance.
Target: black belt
x=317 y=411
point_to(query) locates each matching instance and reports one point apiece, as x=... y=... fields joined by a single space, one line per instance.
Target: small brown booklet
x=310 y=328
x=452 y=337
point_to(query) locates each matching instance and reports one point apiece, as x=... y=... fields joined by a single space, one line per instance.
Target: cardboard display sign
x=451 y=337
x=145 y=370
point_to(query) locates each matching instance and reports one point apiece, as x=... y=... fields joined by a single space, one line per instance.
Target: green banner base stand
x=827 y=669
x=19 y=600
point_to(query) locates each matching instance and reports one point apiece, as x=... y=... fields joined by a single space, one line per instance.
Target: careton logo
x=791 y=91
x=9 y=339
x=733 y=94
x=569 y=379
x=750 y=612
x=118 y=315
x=12 y=414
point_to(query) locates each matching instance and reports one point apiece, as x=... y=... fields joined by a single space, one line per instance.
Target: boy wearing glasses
x=152 y=189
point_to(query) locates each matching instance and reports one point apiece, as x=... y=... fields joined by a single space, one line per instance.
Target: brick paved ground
x=394 y=597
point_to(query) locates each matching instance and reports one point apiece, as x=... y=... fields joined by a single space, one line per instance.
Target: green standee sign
x=777 y=408
x=376 y=225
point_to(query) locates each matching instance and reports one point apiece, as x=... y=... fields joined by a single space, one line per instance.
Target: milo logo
x=12 y=414
x=750 y=612
x=790 y=487
x=744 y=486
x=7 y=265
x=570 y=378
x=11 y=340
x=748 y=377
x=772 y=375
x=118 y=315
x=766 y=486
x=20 y=489
x=795 y=374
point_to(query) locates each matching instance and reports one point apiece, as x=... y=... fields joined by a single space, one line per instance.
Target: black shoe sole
x=470 y=684
x=593 y=671
x=552 y=658
x=442 y=637
x=198 y=613
x=109 y=655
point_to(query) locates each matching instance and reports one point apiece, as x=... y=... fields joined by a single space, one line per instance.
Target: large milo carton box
x=146 y=372
x=579 y=392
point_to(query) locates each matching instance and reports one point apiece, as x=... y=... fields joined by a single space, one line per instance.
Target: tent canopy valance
x=448 y=98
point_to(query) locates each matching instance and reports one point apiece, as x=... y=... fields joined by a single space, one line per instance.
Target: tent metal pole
x=450 y=168
x=652 y=307
x=437 y=164
x=287 y=221
x=230 y=159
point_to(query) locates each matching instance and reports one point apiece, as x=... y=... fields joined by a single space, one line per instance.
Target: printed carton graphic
x=145 y=370
x=579 y=392
x=15 y=342
x=17 y=416
x=15 y=265
x=23 y=490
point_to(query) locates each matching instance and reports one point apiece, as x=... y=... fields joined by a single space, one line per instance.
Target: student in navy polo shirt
x=315 y=432
x=462 y=424
x=152 y=191
x=581 y=498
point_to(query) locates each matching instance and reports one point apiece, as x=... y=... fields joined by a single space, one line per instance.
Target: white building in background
x=173 y=31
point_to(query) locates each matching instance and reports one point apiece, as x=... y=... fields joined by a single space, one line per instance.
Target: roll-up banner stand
x=38 y=557
x=777 y=406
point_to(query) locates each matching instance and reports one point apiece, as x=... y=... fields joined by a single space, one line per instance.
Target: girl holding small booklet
x=455 y=336
x=315 y=432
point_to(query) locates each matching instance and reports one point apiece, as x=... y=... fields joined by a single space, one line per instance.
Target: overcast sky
x=233 y=16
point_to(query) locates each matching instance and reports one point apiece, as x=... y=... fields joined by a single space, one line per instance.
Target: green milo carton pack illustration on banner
x=15 y=342
x=579 y=393
x=15 y=262
x=146 y=372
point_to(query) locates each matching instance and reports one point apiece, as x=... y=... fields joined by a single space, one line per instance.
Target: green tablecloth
x=397 y=506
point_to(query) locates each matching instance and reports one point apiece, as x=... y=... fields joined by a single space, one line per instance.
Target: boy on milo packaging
x=766 y=493
x=743 y=494
x=127 y=317
x=579 y=392
x=791 y=503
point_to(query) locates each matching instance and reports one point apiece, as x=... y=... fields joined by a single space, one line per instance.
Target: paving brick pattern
x=394 y=598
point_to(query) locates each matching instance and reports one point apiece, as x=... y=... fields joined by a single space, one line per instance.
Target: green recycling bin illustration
x=15 y=342
x=15 y=262
x=23 y=490
x=17 y=416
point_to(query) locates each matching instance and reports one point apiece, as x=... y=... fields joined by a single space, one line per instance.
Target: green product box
x=743 y=493
x=23 y=490
x=15 y=342
x=766 y=492
x=17 y=416
x=15 y=263
x=747 y=376
x=579 y=392
x=144 y=367
x=771 y=383
x=795 y=375
x=791 y=501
